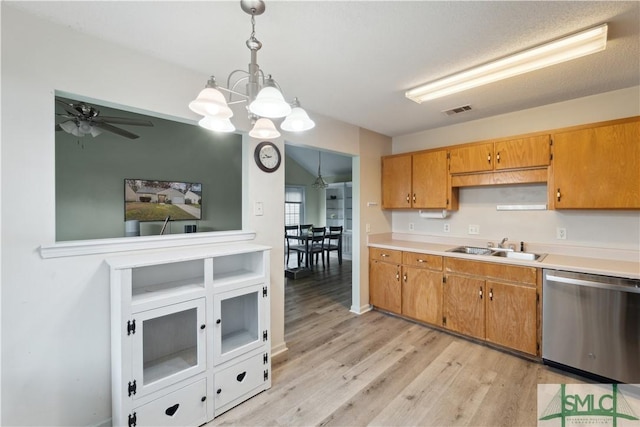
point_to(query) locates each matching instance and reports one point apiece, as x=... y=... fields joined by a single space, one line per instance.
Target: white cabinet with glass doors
x=190 y=333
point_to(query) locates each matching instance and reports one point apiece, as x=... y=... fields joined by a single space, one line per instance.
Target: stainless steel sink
x=474 y=250
x=529 y=256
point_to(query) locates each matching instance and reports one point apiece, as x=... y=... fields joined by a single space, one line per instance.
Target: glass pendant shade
x=80 y=129
x=69 y=127
x=264 y=129
x=211 y=102
x=270 y=103
x=216 y=124
x=297 y=121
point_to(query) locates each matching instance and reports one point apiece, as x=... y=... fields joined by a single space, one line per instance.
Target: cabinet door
x=422 y=294
x=464 y=305
x=429 y=180
x=169 y=345
x=511 y=316
x=239 y=322
x=597 y=168
x=384 y=286
x=523 y=152
x=473 y=158
x=396 y=182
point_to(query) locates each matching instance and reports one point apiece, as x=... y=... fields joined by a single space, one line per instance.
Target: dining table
x=306 y=238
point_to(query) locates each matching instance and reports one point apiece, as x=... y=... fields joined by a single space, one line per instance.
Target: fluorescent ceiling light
x=567 y=48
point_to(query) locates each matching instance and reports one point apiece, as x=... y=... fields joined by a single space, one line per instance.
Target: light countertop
x=618 y=263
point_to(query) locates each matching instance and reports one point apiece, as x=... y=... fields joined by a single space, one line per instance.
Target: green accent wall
x=90 y=173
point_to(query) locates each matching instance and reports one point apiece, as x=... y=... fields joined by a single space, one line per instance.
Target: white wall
x=609 y=229
x=55 y=312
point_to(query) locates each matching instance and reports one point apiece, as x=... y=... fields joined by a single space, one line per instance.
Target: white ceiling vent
x=457 y=110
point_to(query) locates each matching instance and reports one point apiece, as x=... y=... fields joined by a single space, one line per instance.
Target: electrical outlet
x=561 y=233
x=411 y=226
x=447 y=227
x=258 y=209
x=474 y=229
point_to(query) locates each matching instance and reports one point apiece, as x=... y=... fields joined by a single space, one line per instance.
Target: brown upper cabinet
x=518 y=153
x=597 y=167
x=418 y=180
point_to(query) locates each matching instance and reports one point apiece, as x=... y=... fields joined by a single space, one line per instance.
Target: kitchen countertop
x=583 y=264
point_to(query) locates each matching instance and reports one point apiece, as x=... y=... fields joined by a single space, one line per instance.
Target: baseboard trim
x=361 y=310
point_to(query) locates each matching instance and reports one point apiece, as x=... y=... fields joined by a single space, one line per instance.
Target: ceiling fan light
x=94 y=131
x=297 y=121
x=211 y=102
x=69 y=126
x=270 y=103
x=264 y=129
x=216 y=124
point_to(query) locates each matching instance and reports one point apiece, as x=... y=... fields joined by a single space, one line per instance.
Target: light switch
x=258 y=209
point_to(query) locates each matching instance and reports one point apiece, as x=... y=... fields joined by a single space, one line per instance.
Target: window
x=293 y=205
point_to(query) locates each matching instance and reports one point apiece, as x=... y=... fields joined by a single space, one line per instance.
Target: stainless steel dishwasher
x=591 y=324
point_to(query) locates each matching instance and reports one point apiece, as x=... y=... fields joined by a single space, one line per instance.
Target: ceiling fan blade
x=69 y=108
x=116 y=130
x=122 y=121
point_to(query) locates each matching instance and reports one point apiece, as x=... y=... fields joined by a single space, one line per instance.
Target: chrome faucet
x=501 y=244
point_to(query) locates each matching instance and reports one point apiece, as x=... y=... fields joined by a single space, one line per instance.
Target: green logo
x=605 y=407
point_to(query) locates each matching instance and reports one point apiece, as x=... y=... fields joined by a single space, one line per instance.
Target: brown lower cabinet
x=494 y=302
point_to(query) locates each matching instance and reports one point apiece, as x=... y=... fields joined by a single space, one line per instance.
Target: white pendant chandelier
x=262 y=95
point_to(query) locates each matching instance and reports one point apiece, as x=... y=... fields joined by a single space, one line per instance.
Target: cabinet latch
x=133 y=418
x=132 y=388
x=266 y=374
x=131 y=327
x=265 y=335
x=265 y=358
x=264 y=291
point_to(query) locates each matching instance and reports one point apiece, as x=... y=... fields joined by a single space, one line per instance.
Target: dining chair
x=304 y=228
x=293 y=244
x=334 y=242
x=316 y=245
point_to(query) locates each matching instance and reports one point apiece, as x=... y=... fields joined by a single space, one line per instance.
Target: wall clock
x=267 y=156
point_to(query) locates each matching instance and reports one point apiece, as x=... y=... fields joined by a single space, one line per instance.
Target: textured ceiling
x=353 y=60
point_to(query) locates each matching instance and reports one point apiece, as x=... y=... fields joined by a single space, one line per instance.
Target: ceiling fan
x=83 y=119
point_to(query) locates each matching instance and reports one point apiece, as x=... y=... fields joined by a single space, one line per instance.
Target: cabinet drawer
x=414 y=259
x=183 y=407
x=491 y=270
x=239 y=379
x=386 y=255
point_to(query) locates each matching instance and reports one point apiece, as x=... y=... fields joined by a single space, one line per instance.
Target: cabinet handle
x=171 y=410
x=384 y=255
x=491 y=294
x=397 y=275
x=558 y=194
x=414 y=197
x=489 y=157
x=480 y=293
x=498 y=157
x=408 y=195
x=240 y=376
x=420 y=260
x=218 y=321
x=404 y=277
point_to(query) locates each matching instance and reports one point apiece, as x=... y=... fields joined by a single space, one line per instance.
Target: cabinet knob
x=498 y=157
x=558 y=194
x=203 y=326
x=491 y=294
x=218 y=391
x=404 y=277
x=203 y=398
x=218 y=321
x=489 y=157
x=480 y=293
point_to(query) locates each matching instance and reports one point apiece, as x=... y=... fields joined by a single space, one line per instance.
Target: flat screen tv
x=150 y=200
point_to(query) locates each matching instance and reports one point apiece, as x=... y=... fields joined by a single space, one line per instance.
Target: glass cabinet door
x=169 y=345
x=239 y=324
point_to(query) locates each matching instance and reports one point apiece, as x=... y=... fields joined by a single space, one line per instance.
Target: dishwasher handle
x=591 y=284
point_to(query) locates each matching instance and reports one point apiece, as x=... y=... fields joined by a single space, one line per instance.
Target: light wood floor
x=375 y=369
